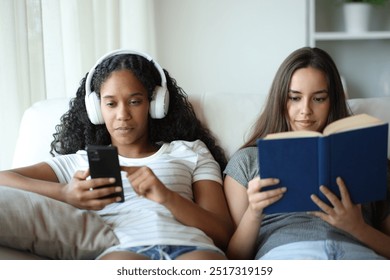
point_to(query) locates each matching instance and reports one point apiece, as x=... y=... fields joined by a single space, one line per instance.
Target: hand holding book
x=354 y=148
x=342 y=213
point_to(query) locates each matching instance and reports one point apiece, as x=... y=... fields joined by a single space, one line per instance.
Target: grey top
x=280 y=229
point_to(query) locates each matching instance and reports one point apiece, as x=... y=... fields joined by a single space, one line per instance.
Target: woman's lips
x=305 y=123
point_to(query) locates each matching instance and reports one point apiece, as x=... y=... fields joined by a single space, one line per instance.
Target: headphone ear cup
x=160 y=103
x=92 y=104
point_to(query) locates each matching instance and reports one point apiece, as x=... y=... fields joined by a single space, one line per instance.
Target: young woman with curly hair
x=174 y=204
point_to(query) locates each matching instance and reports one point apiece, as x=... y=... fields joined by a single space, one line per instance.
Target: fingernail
x=118 y=189
x=112 y=180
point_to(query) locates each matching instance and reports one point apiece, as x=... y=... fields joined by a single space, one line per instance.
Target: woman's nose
x=123 y=112
x=306 y=107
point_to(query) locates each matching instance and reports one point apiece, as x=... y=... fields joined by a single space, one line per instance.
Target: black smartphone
x=104 y=163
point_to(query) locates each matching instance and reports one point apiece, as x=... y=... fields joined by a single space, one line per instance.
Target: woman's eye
x=294 y=98
x=320 y=99
x=135 y=102
x=110 y=104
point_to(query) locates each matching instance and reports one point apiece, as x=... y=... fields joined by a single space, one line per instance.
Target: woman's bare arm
x=41 y=179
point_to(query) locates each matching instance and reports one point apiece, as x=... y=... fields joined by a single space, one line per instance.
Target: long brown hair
x=273 y=118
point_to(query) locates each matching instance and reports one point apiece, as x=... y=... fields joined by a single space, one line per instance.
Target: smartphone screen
x=104 y=163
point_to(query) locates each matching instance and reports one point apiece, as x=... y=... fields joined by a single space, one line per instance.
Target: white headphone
x=160 y=98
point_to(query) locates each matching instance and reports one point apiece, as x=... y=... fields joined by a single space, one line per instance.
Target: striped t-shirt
x=142 y=222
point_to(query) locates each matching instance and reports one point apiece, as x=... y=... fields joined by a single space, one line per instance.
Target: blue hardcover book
x=354 y=148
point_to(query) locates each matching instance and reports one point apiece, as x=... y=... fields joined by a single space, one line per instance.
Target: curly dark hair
x=76 y=131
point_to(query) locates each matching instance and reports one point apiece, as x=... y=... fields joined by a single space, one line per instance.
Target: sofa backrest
x=228 y=115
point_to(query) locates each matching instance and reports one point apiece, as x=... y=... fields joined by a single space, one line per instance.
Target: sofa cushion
x=50 y=228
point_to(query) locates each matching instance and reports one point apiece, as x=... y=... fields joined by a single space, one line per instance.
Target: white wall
x=227 y=45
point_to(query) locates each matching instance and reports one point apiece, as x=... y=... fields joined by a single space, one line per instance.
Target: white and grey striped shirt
x=142 y=222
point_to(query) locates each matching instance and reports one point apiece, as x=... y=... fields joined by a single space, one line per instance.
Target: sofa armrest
x=36 y=131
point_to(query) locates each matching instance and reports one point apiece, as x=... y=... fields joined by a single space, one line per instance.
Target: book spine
x=324 y=162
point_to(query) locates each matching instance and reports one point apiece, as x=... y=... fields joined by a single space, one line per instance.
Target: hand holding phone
x=104 y=163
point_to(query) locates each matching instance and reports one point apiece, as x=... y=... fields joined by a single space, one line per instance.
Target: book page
x=345 y=124
x=351 y=123
x=293 y=134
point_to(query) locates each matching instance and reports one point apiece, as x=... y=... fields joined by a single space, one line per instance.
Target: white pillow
x=50 y=228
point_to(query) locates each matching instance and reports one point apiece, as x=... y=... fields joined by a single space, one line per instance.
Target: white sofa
x=228 y=115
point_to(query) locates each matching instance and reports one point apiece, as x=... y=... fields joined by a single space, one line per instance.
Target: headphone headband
x=160 y=99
